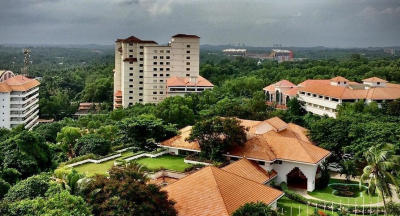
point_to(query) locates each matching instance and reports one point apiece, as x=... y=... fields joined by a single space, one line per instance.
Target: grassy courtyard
x=327 y=194
x=167 y=161
x=91 y=168
x=170 y=162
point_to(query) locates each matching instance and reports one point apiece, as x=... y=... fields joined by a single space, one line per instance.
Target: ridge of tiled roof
x=270 y=88
x=179 y=141
x=277 y=123
x=212 y=191
x=339 y=79
x=250 y=170
x=284 y=83
x=374 y=79
x=313 y=82
x=184 y=81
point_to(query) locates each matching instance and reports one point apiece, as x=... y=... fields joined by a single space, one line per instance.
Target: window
x=161 y=57
x=161 y=69
x=168 y=51
x=130 y=56
x=154 y=69
x=167 y=69
x=141 y=53
x=141 y=82
x=154 y=98
x=161 y=80
x=187 y=74
x=167 y=63
x=154 y=92
x=130 y=92
x=188 y=46
x=141 y=47
x=154 y=63
x=130 y=50
x=154 y=75
x=131 y=68
x=141 y=65
x=154 y=57
x=130 y=86
x=140 y=88
x=161 y=63
x=140 y=76
x=161 y=51
x=378 y=83
x=187 y=69
x=130 y=74
x=167 y=74
x=167 y=57
x=187 y=57
x=130 y=98
x=188 y=51
x=140 y=71
x=130 y=62
x=130 y=80
x=140 y=100
x=141 y=59
x=161 y=92
x=261 y=163
x=338 y=82
x=130 y=104
x=187 y=63
x=161 y=74
x=140 y=94
x=131 y=44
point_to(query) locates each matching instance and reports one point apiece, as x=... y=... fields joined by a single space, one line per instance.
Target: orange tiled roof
x=21 y=83
x=178 y=81
x=284 y=83
x=118 y=94
x=212 y=191
x=270 y=88
x=383 y=93
x=339 y=79
x=313 y=82
x=133 y=39
x=291 y=92
x=250 y=170
x=277 y=123
x=5 y=88
x=374 y=79
x=256 y=147
x=179 y=141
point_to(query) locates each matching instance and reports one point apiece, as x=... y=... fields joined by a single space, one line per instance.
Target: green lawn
x=289 y=205
x=170 y=162
x=326 y=194
x=91 y=168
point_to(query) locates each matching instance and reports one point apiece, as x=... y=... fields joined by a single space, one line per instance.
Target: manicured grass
x=170 y=162
x=289 y=205
x=326 y=194
x=91 y=168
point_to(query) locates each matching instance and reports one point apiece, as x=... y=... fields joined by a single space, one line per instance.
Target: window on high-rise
x=188 y=51
x=188 y=46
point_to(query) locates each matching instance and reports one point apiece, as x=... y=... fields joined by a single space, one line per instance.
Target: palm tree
x=381 y=161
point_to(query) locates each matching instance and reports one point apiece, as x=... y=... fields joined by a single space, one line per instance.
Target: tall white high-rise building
x=142 y=67
x=19 y=102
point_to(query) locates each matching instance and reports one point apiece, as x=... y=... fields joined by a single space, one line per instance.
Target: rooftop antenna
x=25 y=69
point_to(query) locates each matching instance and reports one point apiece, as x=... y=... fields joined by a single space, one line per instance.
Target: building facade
x=142 y=67
x=180 y=86
x=19 y=102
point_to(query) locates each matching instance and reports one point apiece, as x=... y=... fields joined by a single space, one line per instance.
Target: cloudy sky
x=331 y=23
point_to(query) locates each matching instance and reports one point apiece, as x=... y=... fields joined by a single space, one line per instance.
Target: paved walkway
x=334 y=175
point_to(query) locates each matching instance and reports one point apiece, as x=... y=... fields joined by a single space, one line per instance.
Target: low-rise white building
x=322 y=97
x=19 y=102
x=277 y=147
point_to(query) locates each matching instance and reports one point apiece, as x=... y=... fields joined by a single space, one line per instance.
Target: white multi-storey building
x=142 y=67
x=19 y=102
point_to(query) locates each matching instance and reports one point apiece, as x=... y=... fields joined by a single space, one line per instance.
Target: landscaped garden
x=170 y=162
x=346 y=192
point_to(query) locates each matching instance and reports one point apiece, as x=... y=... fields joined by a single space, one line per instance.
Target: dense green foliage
x=255 y=209
x=29 y=188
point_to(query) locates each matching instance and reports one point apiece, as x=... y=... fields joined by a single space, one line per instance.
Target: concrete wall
x=309 y=170
x=5 y=110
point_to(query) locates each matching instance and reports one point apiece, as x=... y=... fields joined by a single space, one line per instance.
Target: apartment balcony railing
x=24 y=93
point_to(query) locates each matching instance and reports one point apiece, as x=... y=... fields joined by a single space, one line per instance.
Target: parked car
x=334 y=167
x=347 y=157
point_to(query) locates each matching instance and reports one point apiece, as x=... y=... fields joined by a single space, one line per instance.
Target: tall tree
x=381 y=161
x=138 y=130
x=126 y=192
x=349 y=169
x=217 y=134
x=68 y=136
